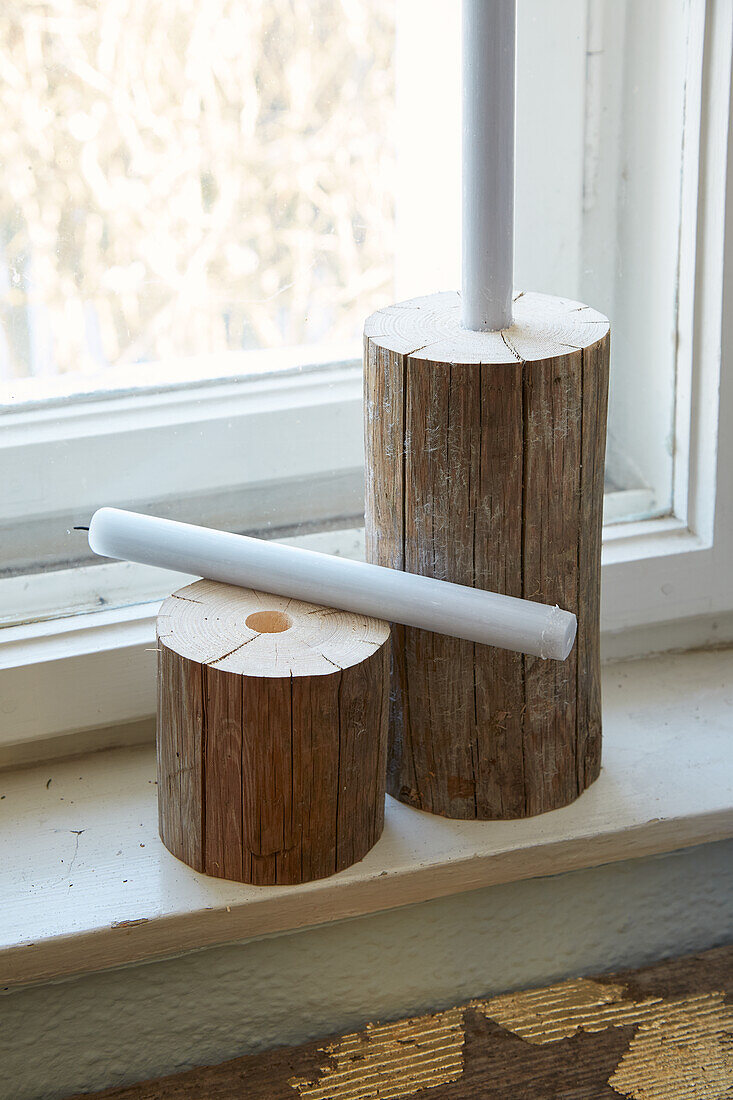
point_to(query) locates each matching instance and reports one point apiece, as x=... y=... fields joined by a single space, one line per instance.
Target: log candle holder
x=272 y=734
x=484 y=459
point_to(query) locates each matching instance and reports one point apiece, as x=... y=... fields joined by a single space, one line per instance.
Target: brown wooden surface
x=661 y=1033
x=271 y=746
x=484 y=460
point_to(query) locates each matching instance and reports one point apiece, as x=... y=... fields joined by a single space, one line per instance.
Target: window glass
x=190 y=177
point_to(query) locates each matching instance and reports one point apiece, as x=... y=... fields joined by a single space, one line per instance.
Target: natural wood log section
x=661 y=1033
x=484 y=459
x=272 y=734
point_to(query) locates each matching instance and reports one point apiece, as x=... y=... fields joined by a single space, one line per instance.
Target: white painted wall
x=126 y=1025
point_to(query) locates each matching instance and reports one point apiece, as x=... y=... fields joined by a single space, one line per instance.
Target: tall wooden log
x=272 y=734
x=484 y=458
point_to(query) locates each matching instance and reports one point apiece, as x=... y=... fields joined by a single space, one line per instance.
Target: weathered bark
x=271 y=736
x=484 y=459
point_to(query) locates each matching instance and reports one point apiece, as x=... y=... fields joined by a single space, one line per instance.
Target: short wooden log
x=484 y=460
x=272 y=734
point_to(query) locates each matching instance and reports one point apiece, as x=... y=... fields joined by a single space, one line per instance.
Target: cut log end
x=272 y=725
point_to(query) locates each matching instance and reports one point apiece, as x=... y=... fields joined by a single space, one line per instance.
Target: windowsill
x=86 y=883
x=47 y=663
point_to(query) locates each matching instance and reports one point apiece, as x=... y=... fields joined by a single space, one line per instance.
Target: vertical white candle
x=488 y=163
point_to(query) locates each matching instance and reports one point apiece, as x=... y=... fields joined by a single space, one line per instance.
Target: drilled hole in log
x=268 y=622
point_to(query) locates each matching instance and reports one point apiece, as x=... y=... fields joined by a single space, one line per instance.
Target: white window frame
x=678 y=567
x=264 y=424
x=85 y=671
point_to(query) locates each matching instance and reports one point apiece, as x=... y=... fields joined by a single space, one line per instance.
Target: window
x=205 y=206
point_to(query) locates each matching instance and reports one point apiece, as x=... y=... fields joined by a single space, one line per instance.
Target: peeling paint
x=389 y=1061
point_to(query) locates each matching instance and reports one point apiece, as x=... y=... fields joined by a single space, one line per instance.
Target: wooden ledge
x=86 y=883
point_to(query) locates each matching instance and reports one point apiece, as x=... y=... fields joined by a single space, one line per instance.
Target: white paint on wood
x=86 y=883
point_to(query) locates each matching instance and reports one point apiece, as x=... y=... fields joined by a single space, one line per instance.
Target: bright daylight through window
x=202 y=204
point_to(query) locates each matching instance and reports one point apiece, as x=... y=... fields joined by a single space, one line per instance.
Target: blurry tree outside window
x=191 y=177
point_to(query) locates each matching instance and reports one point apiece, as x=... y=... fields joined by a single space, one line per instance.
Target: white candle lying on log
x=445 y=608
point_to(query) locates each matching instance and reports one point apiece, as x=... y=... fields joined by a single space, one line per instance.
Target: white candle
x=440 y=606
x=488 y=163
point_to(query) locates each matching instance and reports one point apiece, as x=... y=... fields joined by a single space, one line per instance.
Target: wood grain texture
x=181 y=756
x=484 y=460
x=661 y=1033
x=272 y=734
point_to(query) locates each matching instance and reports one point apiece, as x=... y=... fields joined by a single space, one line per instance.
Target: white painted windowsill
x=86 y=883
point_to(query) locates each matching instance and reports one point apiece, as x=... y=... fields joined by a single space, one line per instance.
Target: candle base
x=484 y=458
x=272 y=734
